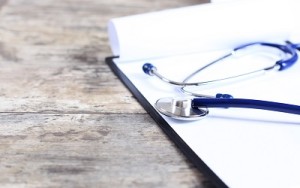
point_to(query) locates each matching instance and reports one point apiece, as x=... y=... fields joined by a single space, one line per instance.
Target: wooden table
x=65 y=119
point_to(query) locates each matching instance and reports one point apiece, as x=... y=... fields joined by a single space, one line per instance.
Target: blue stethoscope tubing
x=245 y=103
x=193 y=109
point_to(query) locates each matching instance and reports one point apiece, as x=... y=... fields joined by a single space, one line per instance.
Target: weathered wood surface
x=65 y=119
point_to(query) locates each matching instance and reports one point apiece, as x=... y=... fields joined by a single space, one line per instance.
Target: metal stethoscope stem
x=151 y=70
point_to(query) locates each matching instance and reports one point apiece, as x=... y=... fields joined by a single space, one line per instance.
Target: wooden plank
x=90 y=150
x=61 y=46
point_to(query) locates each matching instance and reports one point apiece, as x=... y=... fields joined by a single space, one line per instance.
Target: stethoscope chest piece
x=180 y=108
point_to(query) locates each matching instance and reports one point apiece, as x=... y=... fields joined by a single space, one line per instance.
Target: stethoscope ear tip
x=148 y=68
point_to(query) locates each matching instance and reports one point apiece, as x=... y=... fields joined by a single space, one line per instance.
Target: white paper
x=245 y=148
x=201 y=28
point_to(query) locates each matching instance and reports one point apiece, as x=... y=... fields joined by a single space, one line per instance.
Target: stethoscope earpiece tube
x=280 y=65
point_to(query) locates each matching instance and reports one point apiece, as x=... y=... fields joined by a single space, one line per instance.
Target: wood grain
x=65 y=119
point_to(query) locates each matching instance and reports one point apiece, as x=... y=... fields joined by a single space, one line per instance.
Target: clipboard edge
x=167 y=129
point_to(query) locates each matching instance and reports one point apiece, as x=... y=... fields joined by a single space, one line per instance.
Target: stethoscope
x=197 y=106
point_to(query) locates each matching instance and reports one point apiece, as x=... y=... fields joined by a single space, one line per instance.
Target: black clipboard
x=185 y=149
